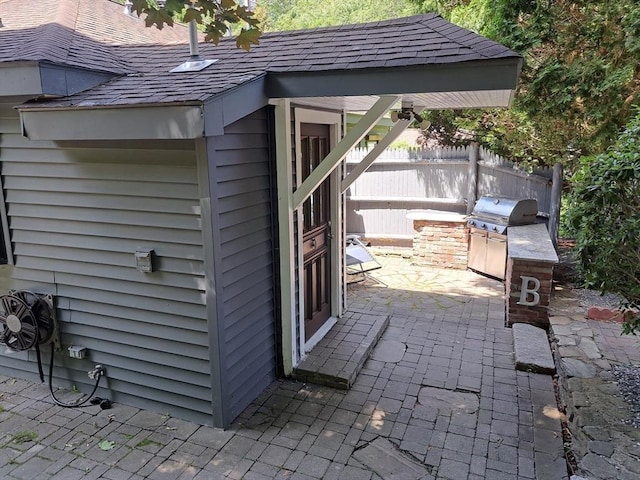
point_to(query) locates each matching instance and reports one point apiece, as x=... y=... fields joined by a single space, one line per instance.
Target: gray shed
x=232 y=176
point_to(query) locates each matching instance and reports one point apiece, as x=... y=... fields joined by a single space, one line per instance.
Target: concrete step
x=338 y=358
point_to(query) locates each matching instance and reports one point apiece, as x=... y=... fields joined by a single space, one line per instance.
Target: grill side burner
x=488 y=228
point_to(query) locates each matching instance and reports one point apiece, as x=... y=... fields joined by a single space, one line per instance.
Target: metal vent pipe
x=193 y=41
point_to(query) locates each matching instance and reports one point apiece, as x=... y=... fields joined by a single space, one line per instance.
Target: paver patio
x=439 y=396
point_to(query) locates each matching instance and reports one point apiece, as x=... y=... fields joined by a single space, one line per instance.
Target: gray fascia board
x=500 y=74
x=36 y=79
x=233 y=105
x=125 y=123
x=20 y=79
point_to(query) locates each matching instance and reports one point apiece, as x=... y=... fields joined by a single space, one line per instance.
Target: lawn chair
x=359 y=259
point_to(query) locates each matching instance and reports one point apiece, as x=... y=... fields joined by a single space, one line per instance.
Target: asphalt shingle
x=96 y=34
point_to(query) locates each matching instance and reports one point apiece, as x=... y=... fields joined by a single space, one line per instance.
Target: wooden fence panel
x=405 y=180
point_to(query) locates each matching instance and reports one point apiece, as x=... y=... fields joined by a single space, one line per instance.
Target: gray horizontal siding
x=78 y=212
x=109 y=230
x=121 y=217
x=242 y=209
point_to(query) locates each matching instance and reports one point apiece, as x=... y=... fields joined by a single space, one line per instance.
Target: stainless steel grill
x=488 y=227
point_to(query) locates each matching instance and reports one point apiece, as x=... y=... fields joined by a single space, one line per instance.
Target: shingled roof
x=76 y=33
x=413 y=42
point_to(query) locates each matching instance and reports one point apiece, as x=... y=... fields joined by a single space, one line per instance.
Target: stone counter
x=531 y=242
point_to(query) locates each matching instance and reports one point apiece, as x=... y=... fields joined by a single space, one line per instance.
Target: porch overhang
x=473 y=84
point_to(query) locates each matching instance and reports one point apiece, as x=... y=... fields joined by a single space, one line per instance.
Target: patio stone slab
x=389 y=351
x=382 y=458
x=532 y=350
x=577 y=368
x=330 y=363
x=448 y=401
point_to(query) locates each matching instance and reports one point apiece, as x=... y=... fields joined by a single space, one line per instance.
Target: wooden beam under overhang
x=125 y=123
x=335 y=156
x=375 y=152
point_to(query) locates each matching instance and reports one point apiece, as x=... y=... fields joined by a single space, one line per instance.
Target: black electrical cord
x=81 y=401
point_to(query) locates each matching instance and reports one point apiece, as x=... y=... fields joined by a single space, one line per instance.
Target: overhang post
x=284 y=177
x=376 y=151
x=343 y=147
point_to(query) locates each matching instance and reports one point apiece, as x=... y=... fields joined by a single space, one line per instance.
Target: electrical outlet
x=76 y=351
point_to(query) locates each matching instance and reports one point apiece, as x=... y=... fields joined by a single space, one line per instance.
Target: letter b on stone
x=527 y=290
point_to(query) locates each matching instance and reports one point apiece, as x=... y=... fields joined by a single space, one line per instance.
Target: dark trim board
x=460 y=77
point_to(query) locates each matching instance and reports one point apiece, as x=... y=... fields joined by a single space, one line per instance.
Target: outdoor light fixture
x=407 y=113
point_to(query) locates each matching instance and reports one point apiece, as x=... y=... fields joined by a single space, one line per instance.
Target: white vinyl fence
x=401 y=181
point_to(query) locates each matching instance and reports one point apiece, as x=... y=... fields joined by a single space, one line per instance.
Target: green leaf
x=228 y=4
x=158 y=18
x=249 y=37
x=107 y=445
x=192 y=14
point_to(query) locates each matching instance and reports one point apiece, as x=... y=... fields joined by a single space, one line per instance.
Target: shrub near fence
x=405 y=180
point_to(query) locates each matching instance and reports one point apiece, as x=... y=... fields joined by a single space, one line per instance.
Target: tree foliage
x=278 y=15
x=580 y=77
x=604 y=213
x=214 y=16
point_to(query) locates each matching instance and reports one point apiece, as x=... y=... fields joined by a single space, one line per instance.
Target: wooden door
x=316 y=232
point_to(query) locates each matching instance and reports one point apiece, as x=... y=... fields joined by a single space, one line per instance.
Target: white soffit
x=431 y=101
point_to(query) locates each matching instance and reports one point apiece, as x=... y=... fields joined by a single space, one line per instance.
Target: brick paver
x=491 y=421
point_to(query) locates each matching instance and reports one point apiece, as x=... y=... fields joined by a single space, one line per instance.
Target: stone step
x=532 y=350
x=338 y=358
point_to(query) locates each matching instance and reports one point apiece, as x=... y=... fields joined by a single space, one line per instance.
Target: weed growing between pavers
x=24 y=437
x=148 y=441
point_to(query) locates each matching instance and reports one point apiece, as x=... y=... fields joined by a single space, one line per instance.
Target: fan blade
x=20 y=309
x=27 y=336
x=6 y=304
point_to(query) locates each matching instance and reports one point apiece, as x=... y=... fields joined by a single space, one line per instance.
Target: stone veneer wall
x=441 y=240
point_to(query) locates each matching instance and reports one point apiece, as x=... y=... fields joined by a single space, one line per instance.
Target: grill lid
x=503 y=211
